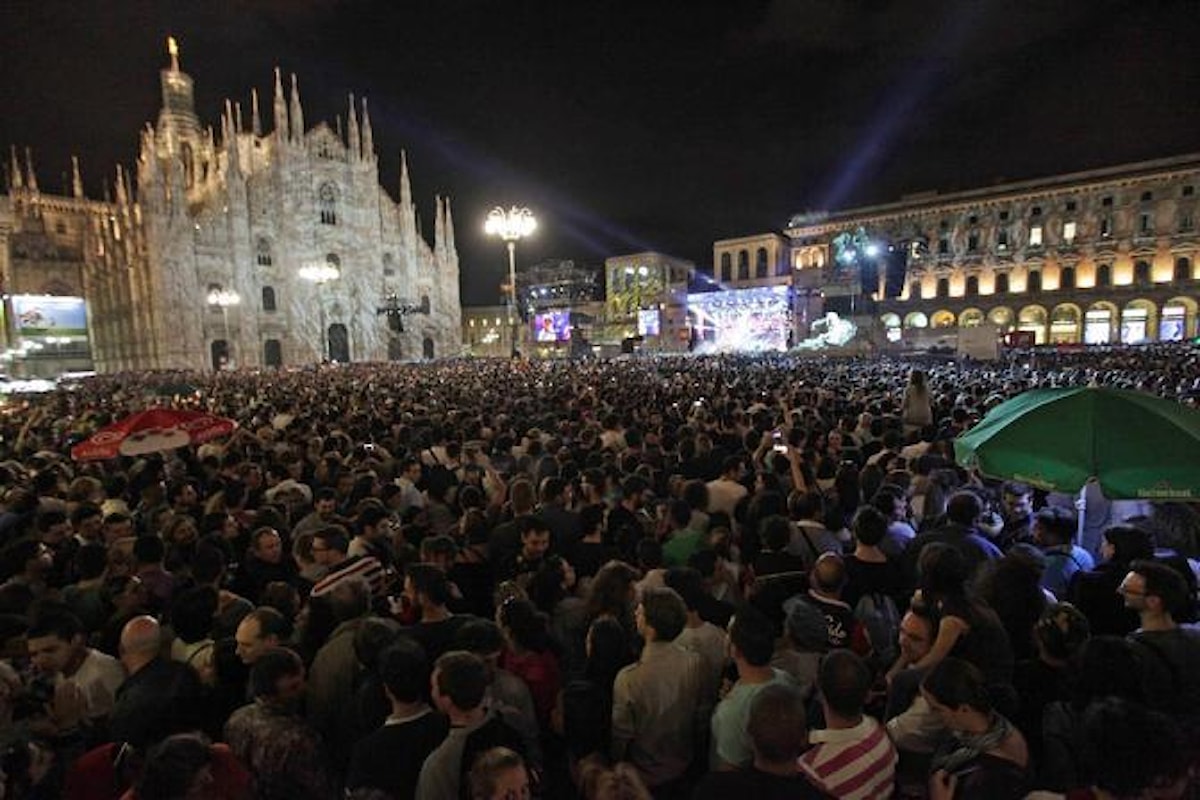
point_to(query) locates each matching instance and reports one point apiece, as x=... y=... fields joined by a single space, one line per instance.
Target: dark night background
x=629 y=126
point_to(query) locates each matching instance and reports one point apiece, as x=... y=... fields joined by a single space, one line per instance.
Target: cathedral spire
x=368 y=136
x=281 y=114
x=439 y=226
x=122 y=197
x=30 y=173
x=230 y=129
x=255 y=120
x=237 y=115
x=352 y=133
x=16 y=178
x=449 y=225
x=297 y=112
x=405 y=187
x=173 y=52
x=76 y=179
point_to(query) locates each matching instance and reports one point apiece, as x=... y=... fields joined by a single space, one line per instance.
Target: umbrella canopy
x=1136 y=445
x=152 y=431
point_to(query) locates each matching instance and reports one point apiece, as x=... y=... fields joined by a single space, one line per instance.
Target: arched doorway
x=1139 y=322
x=1064 y=324
x=339 y=343
x=943 y=319
x=1099 y=322
x=272 y=353
x=970 y=318
x=1032 y=319
x=395 y=348
x=916 y=320
x=1002 y=318
x=220 y=354
x=427 y=348
x=891 y=326
x=1178 y=320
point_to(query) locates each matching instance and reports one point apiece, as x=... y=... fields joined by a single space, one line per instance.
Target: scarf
x=966 y=747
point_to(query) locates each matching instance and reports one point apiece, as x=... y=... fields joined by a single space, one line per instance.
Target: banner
x=38 y=315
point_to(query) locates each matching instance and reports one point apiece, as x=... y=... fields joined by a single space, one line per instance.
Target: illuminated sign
x=40 y=315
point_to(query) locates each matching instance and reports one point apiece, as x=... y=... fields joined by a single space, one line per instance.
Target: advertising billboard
x=552 y=326
x=39 y=315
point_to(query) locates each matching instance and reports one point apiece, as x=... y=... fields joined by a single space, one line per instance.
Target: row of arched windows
x=1066 y=279
x=762 y=267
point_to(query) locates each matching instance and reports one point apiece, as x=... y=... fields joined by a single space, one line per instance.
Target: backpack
x=878 y=614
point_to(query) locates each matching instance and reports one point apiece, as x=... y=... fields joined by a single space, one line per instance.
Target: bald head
x=141 y=640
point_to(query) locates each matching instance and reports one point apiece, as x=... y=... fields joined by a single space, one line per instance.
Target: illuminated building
x=646 y=295
x=244 y=212
x=1104 y=256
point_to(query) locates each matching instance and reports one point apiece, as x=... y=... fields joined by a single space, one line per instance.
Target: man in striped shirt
x=852 y=758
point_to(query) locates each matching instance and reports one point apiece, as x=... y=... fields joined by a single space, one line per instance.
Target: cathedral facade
x=239 y=247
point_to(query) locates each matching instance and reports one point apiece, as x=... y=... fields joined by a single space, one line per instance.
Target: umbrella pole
x=1081 y=512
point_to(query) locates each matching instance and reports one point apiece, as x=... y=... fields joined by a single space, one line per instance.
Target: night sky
x=633 y=125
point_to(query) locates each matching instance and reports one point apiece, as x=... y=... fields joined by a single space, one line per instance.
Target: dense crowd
x=663 y=577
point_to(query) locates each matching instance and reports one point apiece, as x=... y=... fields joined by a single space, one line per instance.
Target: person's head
x=373 y=636
x=869 y=526
x=828 y=575
x=535 y=538
x=277 y=677
x=661 y=615
x=267 y=545
x=404 y=670
x=192 y=613
x=612 y=590
x=56 y=643
x=957 y=692
x=1017 y=500
x=179 y=767
x=325 y=501
x=778 y=725
x=499 y=774
x=329 y=545
x=607 y=649
x=918 y=630
x=261 y=629
x=1131 y=752
x=943 y=571
x=459 y=682
x=1054 y=526
x=751 y=637
x=688 y=584
x=87 y=520
x=844 y=680
x=775 y=532
x=1061 y=631
x=523 y=625
x=372 y=521
x=1124 y=544
x=482 y=637
x=141 y=641
x=1154 y=588
x=91 y=560
x=649 y=554
x=963 y=508
x=426 y=586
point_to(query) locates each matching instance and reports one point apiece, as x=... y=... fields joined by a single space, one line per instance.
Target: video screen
x=49 y=315
x=741 y=320
x=552 y=326
x=648 y=322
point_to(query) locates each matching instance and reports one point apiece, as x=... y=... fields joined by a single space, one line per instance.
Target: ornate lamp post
x=319 y=275
x=223 y=299
x=511 y=226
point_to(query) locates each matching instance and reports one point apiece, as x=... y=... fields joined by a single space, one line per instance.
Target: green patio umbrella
x=1136 y=445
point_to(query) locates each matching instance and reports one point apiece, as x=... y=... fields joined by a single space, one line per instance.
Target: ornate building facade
x=240 y=214
x=1097 y=257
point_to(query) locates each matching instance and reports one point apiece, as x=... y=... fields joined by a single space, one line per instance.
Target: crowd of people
x=691 y=577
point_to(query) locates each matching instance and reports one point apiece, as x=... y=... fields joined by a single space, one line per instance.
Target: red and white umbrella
x=152 y=431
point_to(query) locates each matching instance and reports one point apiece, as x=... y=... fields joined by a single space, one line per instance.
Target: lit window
x=1069 y=231
x=1035 y=236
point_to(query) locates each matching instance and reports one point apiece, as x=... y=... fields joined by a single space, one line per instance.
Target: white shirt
x=98 y=677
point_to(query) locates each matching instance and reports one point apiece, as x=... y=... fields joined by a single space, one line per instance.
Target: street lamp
x=511 y=226
x=224 y=298
x=319 y=275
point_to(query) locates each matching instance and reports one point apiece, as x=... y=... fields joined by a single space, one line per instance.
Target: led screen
x=741 y=320
x=552 y=326
x=648 y=323
x=47 y=315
